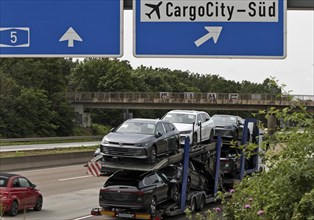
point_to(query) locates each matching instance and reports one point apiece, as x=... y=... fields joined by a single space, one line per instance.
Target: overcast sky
x=296 y=71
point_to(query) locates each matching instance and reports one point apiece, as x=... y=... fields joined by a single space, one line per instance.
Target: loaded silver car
x=141 y=139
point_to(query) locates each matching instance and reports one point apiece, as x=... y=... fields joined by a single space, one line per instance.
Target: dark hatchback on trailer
x=137 y=190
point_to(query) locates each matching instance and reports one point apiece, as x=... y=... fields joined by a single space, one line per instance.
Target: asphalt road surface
x=69 y=194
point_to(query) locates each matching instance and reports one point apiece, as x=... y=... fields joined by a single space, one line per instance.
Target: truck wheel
x=14 y=208
x=153 y=204
x=202 y=204
x=193 y=205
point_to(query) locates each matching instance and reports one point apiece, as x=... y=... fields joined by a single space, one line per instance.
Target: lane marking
x=84 y=217
x=74 y=178
x=50 y=168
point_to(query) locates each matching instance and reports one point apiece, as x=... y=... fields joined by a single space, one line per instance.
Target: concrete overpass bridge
x=186 y=100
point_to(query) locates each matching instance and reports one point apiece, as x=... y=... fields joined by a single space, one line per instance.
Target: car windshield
x=224 y=119
x=137 y=128
x=180 y=118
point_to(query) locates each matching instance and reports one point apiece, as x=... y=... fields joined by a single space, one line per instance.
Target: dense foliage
x=33 y=91
x=285 y=190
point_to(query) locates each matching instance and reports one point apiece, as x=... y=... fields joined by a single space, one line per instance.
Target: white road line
x=73 y=178
x=50 y=168
x=84 y=217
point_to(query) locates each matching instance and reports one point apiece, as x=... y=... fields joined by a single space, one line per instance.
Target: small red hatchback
x=18 y=193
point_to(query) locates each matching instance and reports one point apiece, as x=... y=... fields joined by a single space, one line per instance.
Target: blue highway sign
x=60 y=28
x=210 y=28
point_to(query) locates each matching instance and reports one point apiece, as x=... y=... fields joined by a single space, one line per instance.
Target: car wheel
x=221 y=183
x=175 y=193
x=211 y=137
x=207 y=164
x=153 y=155
x=202 y=204
x=194 y=141
x=234 y=171
x=39 y=204
x=176 y=149
x=193 y=205
x=188 y=184
x=153 y=204
x=236 y=136
x=14 y=208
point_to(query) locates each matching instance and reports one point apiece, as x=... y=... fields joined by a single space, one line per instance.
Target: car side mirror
x=199 y=123
x=33 y=186
x=112 y=129
x=158 y=134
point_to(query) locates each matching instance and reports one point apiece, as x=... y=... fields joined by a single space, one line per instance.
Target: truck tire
x=153 y=204
x=193 y=205
x=202 y=203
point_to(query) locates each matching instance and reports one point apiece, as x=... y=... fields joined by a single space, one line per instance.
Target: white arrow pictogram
x=213 y=32
x=70 y=35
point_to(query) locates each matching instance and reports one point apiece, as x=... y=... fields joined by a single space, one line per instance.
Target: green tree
x=284 y=190
x=103 y=74
x=44 y=77
x=32 y=115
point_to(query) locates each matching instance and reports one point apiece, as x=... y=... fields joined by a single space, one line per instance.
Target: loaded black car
x=229 y=127
x=141 y=139
x=195 y=180
x=138 y=190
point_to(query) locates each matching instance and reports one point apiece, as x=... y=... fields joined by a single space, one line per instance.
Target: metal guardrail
x=39 y=139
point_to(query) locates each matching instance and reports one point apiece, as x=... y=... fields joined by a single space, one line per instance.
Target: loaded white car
x=197 y=125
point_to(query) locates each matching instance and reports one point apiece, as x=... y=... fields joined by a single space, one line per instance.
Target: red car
x=18 y=193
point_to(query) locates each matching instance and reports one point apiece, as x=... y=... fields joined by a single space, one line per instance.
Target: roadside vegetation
x=33 y=92
x=285 y=190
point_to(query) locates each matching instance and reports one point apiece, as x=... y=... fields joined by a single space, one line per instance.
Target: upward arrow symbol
x=70 y=35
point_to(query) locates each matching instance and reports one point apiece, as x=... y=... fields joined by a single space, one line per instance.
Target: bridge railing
x=219 y=98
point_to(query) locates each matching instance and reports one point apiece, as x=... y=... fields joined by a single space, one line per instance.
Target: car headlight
x=97 y=151
x=186 y=132
x=141 y=144
x=104 y=141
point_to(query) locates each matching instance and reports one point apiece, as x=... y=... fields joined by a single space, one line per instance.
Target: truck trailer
x=195 y=200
